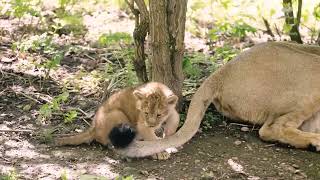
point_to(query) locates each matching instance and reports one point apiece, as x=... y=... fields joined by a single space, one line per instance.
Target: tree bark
x=288 y=12
x=167 y=28
x=139 y=36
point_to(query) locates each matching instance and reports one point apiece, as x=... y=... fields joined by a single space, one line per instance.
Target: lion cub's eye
x=159 y=115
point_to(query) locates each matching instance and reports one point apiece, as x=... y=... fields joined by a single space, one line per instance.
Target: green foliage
x=316 y=12
x=54 y=106
x=19 y=8
x=42 y=44
x=130 y=75
x=124 y=178
x=210 y=119
x=70 y=116
x=114 y=38
x=67 y=23
x=239 y=29
x=35 y=43
x=225 y=53
x=64 y=3
x=11 y=176
x=45 y=136
x=190 y=66
x=64 y=175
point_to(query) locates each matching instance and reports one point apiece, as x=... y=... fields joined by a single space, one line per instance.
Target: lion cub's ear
x=172 y=100
x=138 y=94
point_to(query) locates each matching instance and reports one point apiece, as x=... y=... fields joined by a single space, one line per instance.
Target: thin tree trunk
x=167 y=27
x=288 y=12
x=139 y=36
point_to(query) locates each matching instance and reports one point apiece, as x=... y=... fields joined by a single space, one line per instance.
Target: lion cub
x=134 y=111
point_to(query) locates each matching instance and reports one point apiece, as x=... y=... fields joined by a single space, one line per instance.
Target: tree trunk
x=139 y=36
x=288 y=12
x=167 y=27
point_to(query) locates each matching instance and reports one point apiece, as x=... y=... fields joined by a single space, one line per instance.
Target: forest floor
x=226 y=151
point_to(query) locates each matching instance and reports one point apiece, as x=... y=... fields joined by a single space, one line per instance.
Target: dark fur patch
x=312 y=148
x=122 y=135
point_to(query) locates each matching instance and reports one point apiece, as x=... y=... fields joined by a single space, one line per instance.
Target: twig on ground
x=83 y=119
x=3 y=90
x=90 y=57
x=27 y=96
x=16 y=130
x=238 y=124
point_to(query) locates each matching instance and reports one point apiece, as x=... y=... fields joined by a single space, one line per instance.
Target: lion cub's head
x=154 y=105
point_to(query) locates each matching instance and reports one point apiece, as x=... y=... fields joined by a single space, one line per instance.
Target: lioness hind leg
x=285 y=129
x=106 y=122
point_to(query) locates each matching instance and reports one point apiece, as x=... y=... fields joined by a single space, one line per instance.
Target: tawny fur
x=145 y=108
x=275 y=85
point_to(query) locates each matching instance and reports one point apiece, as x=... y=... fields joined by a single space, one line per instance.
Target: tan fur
x=276 y=85
x=144 y=107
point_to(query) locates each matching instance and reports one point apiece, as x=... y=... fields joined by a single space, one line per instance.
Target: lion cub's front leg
x=148 y=134
x=172 y=123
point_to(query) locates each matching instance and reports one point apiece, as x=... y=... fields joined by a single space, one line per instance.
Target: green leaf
x=70 y=116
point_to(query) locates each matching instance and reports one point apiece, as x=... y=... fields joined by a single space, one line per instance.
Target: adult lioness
x=144 y=108
x=276 y=85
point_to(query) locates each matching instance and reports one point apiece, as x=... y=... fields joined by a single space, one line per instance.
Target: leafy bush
x=225 y=53
x=114 y=38
x=19 y=8
x=42 y=44
x=239 y=29
x=47 y=110
x=190 y=67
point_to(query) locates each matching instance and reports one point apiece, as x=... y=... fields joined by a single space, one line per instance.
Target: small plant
x=225 y=53
x=64 y=175
x=124 y=178
x=114 y=38
x=42 y=44
x=46 y=111
x=191 y=69
x=19 y=8
x=11 y=176
x=239 y=29
x=45 y=136
x=70 y=116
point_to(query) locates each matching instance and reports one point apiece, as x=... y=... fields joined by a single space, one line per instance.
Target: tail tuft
x=122 y=135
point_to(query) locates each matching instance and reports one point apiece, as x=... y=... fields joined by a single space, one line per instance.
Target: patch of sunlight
x=6 y=169
x=75 y=171
x=25 y=153
x=86 y=82
x=102 y=169
x=22 y=149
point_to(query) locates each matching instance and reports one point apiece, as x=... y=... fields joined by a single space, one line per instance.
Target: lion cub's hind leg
x=287 y=129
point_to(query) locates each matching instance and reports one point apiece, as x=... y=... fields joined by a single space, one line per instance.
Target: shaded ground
x=210 y=155
x=225 y=152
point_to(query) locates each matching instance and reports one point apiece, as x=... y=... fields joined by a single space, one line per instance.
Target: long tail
x=84 y=137
x=199 y=103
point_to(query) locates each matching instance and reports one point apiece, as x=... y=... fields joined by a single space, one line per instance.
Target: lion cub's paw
x=161 y=156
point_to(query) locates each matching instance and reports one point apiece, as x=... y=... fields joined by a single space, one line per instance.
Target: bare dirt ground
x=224 y=152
